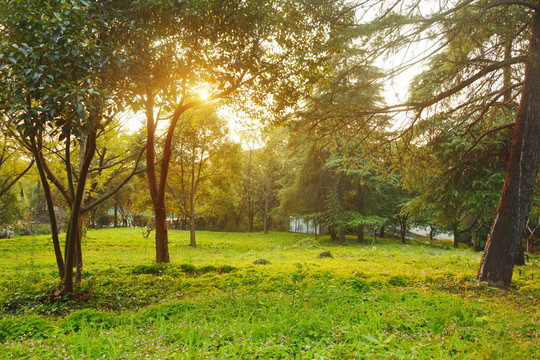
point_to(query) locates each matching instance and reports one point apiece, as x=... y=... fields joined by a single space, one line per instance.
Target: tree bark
x=361 y=234
x=192 y=241
x=157 y=194
x=497 y=264
x=455 y=232
x=75 y=223
x=38 y=155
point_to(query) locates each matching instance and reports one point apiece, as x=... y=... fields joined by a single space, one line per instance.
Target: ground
x=377 y=300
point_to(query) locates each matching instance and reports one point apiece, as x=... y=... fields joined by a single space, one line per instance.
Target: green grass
x=369 y=301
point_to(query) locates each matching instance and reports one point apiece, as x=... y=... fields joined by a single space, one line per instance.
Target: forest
x=269 y=179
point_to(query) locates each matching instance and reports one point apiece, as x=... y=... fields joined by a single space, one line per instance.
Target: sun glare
x=204 y=94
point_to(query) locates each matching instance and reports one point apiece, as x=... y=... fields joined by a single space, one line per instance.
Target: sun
x=204 y=94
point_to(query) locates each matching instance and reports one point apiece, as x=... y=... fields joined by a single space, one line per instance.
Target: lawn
x=381 y=300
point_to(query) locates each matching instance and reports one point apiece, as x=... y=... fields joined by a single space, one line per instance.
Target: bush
x=31 y=326
x=261 y=262
x=325 y=254
x=82 y=318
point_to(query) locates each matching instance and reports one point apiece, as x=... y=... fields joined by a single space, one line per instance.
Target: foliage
x=12 y=209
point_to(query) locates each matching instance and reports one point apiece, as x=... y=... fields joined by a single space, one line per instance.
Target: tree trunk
x=75 y=218
x=333 y=236
x=78 y=253
x=265 y=227
x=162 y=240
x=382 y=232
x=38 y=155
x=192 y=241
x=115 y=213
x=158 y=193
x=520 y=256
x=497 y=264
x=455 y=231
x=360 y=234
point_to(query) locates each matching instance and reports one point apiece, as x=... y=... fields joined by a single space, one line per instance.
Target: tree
x=230 y=49
x=477 y=58
x=71 y=103
x=203 y=161
x=270 y=165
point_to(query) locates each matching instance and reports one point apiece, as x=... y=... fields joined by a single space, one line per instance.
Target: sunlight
x=204 y=94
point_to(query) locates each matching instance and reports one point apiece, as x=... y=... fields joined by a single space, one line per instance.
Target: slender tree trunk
x=497 y=264
x=79 y=262
x=265 y=227
x=192 y=241
x=75 y=218
x=156 y=193
x=115 y=213
x=382 y=232
x=50 y=207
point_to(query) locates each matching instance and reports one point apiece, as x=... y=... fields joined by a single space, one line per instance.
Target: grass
x=368 y=301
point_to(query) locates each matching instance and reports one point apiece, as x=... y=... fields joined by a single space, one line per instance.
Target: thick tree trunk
x=455 y=232
x=361 y=234
x=162 y=239
x=497 y=264
x=382 y=232
x=520 y=256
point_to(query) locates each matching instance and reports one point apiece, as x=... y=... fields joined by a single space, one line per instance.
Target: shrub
x=261 y=262
x=85 y=317
x=325 y=254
